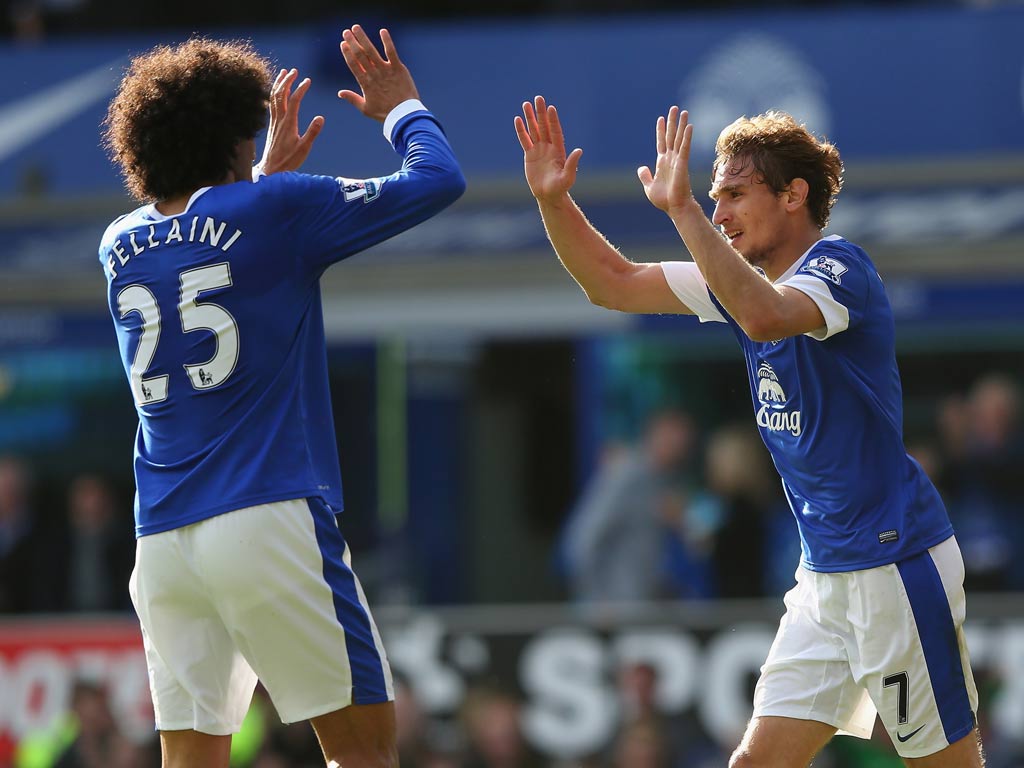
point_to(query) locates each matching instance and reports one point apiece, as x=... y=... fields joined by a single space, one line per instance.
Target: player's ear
x=796 y=193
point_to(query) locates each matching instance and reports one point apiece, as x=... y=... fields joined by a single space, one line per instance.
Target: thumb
x=572 y=163
x=352 y=98
x=644 y=173
x=306 y=140
x=315 y=126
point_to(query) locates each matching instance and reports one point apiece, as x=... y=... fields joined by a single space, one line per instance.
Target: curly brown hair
x=180 y=112
x=782 y=150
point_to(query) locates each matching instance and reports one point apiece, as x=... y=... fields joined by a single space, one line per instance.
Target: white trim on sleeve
x=407 y=107
x=689 y=286
x=837 y=316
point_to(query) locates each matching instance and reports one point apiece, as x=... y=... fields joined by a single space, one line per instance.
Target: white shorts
x=265 y=592
x=888 y=640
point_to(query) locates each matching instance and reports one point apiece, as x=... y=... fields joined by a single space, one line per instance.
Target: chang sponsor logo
x=772 y=415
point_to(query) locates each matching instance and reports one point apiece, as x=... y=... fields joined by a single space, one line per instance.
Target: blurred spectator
x=637 y=683
x=615 y=539
x=982 y=453
x=648 y=736
x=640 y=744
x=22 y=564
x=739 y=472
x=97 y=743
x=95 y=550
x=490 y=717
x=736 y=536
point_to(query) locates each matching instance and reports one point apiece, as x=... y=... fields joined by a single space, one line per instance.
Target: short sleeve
x=838 y=282
x=689 y=286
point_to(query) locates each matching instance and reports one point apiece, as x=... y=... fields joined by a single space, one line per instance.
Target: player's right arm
x=608 y=279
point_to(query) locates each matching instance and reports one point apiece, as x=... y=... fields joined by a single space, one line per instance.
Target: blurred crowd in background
x=679 y=513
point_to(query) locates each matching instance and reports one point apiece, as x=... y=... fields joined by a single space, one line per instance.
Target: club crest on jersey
x=826 y=266
x=772 y=414
x=356 y=189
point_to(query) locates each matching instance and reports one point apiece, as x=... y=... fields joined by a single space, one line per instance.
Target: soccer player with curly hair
x=214 y=287
x=875 y=621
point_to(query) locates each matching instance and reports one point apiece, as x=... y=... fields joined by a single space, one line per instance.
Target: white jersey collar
x=151 y=213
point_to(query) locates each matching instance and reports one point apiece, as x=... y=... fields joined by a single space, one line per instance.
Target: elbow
x=611 y=289
x=453 y=185
x=762 y=327
x=448 y=182
x=606 y=300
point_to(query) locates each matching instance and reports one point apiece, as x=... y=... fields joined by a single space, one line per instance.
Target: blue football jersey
x=829 y=406
x=219 y=323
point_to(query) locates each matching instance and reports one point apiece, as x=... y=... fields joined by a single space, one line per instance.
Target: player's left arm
x=764 y=311
x=332 y=218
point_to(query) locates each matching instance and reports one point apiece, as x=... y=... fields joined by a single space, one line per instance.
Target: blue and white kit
x=828 y=405
x=219 y=322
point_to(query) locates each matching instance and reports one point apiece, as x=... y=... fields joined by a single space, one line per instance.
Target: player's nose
x=720 y=215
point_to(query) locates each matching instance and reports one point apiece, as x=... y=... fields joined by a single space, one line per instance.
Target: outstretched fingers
x=350 y=52
x=524 y=135
x=671 y=126
x=279 y=92
x=366 y=47
x=390 y=52
x=685 y=136
x=294 y=101
x=540 y=125
x=555 y=130
x=530 y=118
x=541 y=109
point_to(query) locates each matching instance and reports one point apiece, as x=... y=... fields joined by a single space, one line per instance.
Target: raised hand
x=669 y=186
x=549 y=172
x=285 y=149
x=385 y=82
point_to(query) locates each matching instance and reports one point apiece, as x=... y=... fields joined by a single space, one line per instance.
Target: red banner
x=41 y=659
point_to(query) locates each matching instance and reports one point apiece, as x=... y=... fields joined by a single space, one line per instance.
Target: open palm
x=549 y=172
x=286 y=149
x=669 y=185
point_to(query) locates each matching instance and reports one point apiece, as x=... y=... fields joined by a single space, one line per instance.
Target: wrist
x=399 y=111
x=554 y=202
x=684 y=210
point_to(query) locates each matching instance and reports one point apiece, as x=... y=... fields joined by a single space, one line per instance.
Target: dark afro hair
x=179 y=113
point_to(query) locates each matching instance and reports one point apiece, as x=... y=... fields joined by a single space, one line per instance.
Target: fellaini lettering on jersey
x=354 y=189
x=772 y=415
x=826 y=266
x=207 y=232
